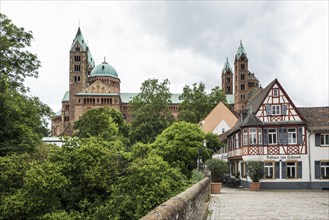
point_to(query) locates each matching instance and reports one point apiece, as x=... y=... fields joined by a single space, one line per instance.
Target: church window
x=77 y=49
x=75 y=79
x=77 y=58
x=228 y=79
x=242 y=76
x=77 y=68
x=78 y=78
x=228 y=88
x=242 y=86
x=242 y=66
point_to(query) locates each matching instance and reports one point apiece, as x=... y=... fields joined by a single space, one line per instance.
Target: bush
x=255 y=170
x=217 y=168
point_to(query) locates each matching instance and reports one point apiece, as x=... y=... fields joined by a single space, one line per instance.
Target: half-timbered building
x=271 y=130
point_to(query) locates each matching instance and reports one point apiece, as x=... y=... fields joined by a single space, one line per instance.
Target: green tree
x=179 y=145
x=23 y=118
x=72 y=182
x=216 y=95
x=213 y=142
x=16 y=63
x=106 y=123
x=197 y=104
x=149 y=182
x=151 y=113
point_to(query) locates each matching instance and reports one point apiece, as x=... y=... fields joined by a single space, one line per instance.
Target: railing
x=183 y=206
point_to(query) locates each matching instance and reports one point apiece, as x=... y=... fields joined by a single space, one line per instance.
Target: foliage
x=151 y=113
x=196 y=177
x=213 y=142
x=216 y=95
x=179 y=145
x=16 y=63
x=23 y=118
x=196 y=103
x=149 y=182
x=75 y=178
x=217 y=168
x=106 y=123
x=255 y=170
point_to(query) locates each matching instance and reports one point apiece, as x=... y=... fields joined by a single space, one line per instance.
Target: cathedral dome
x=104 y=69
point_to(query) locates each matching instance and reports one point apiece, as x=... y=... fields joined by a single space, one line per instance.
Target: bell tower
x=241 y=75
x=81 y=64
x=227 y=78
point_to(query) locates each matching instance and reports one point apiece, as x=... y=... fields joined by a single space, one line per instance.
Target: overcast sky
x=185 y=42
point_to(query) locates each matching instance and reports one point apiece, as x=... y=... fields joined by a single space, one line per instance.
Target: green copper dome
x=104 y=69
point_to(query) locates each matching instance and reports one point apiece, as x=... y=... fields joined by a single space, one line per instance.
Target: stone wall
x=184 y=206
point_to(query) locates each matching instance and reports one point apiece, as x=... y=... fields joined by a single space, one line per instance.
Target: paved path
x=233 y=203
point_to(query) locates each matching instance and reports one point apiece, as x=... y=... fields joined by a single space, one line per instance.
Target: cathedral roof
x=227 y=66
x=79 y=38
x=240 y=51
x=104 y=69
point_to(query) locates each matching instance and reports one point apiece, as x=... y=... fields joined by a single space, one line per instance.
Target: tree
x=179 y=145
x=23 y=118
x=73 y=181
x=106 y=123
x=16 y=63
x=213 y=142
x=196 y=103
x=216 y=95
x=149 y=182
x=151 y=113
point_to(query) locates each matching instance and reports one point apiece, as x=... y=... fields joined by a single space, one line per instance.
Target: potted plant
x=217 y=170
x=255 y=172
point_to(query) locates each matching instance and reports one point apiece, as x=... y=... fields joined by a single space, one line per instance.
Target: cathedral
x=95 y=86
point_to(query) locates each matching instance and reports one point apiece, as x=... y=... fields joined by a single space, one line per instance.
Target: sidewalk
x=234 y=203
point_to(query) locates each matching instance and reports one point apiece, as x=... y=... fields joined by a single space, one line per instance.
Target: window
x=228 y=79
x=242 y=76
x=275 y=92
x=242 y=86
x=242 y=66
x=272 y=136
x=269 y=170
x=77 y=68
x=252 y=135
x=77 y=58
x=245 y=136
x=276 y=110
x=77 y=49
x=242 y=97
x=324 y=167
x=292 y=136
x=228 y=88
x=324 y=139
x=260 y=136
x=291 y=170
x=243 y=170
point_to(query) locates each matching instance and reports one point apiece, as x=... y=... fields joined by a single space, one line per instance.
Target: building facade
x=274 y=132
x=90 y=87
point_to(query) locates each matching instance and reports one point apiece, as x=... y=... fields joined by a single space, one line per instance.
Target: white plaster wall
x=222 y=124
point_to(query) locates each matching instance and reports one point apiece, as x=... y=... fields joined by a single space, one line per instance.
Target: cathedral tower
x=227 y=78
x=241 y=76
x=81 y=64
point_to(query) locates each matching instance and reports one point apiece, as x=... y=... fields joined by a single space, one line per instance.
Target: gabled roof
x=218 y=114
x=317 y=118
x=256 y=102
